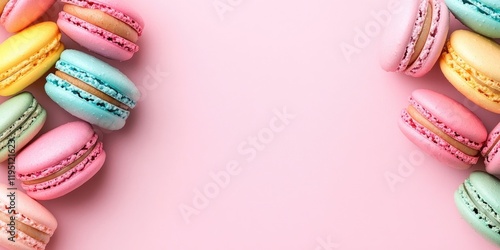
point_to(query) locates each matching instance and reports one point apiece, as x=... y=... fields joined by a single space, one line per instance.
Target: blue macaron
x=482 y=16
x=92 y=90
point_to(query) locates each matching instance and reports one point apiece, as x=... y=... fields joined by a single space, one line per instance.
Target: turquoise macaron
x=482 y=16
x=92 y=90
x=22 y=117
x=478 y=201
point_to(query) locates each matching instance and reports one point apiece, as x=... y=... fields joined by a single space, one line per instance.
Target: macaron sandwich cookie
x=478 y=201
x=470 y=63
x=491 y=150
x=107 y=27
x=415 y=37
x=60 y=161
x=482 y=16
x=92 y=90
x=443 y=128
x=28 y=226
x=27 y=56
x=22 y=118
x=18 y=14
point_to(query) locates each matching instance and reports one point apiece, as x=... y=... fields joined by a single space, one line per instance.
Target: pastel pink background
x=318 y=182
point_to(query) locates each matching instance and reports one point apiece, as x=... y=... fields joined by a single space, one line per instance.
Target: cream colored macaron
x=470 y=62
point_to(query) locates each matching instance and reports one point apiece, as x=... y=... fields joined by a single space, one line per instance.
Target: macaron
x=415 y=37
x=478 y=201
x=92 y=90
x=22 y=117
x=60 y=161
x=482 y=16
x=470 y=63
x=110 y=28
x=490 y=151
x=25 y=224
x=18 y=14
x=27 y=56
x=443 y=128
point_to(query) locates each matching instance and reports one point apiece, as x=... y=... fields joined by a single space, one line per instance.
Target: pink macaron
x=24 y=223
x=110 y=28
x=60 y=161
x=18 y=14
x=490 y=151
x=443 y=128
x=413 y=41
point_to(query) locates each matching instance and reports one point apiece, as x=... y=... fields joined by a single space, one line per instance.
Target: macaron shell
x=397 y=36
x=31 y=209
x=453 y=114
x=94 y=42
x=492 y=160
x=83 y=109
x=24 y=12
x=431 y=148
x=474 y=19
x=438 y=41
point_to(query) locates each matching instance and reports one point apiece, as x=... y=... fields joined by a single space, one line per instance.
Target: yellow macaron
x=470 y=62
x=27 y=56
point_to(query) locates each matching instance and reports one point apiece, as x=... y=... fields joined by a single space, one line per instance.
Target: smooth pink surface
x=54 y=151
x=18 y=14
x=210 y=82
x=490 y=152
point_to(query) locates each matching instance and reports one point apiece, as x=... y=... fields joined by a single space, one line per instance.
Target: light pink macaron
x=60 y=161
x=18 y=14
x=413 y=41
x=24 y=223
x=443 y=128
x=491 y=150
x=110 y=28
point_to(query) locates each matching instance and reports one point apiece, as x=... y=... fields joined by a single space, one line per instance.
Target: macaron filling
x=10 y=76
x=64 y=170
x=22 y=124
x=478 y=206
x=492 y=146
x=474 y=79
x=434 y=130
x=28 y=231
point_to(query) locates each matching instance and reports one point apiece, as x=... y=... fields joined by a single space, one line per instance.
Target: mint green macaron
x=21 y=118
x=478 y=200
x=482 y=16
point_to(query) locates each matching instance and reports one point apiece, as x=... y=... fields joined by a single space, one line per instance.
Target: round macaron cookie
x=478 y=201
x=27 y=56
x=107 y=27
x=60 y=161
x=92 y=90
x=22 y=118
x=490 y=151
x=482 y=16
x=415 y=37
x=24 y=223
x=443 y=128
x=470 y=63
x=18 y=14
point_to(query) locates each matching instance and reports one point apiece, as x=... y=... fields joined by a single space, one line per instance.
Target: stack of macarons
x=97 y=94
x=419 y=36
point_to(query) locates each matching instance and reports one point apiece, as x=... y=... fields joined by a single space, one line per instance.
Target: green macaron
x=22 y=117
x=478 y=200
